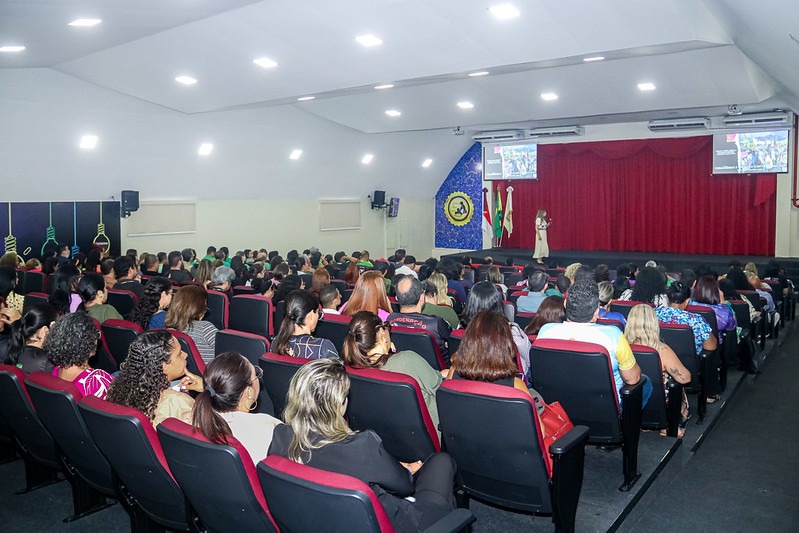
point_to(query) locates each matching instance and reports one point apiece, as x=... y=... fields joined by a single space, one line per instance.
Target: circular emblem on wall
x=459 y=208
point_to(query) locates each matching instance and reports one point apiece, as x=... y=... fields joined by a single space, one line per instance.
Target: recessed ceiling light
x=85 y=23
x=205 y=148
x=479 y=73
x=384 y=86
x=186 y=80
x=504 y=11
x=88 y=142
x=393 y=113
x=305 y=98
x=369 y=40
x=367 y=159
x=593 y=58
x=427 y=162
x=646 y=86
x=12 y=48
x=295 y=154
x=465 y=105
x=265 y=62
x=549 y=96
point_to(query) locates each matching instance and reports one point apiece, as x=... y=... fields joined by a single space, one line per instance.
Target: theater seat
x=493 y=434
x=624 y=306
x=278 y=371
x=218 y=309
x=34 y=442
x=56 y=403
x=341 y=504
x=250 y=346
x=578 y=375
x=523 y=319
x=34 y=298
x=334 y=328
x=420 y=341
x=123 y=301
x=236 y=502
x=391 y=404
x=658 y=413
x=128 y=440
x=118 y=335
x=680 y=338
x=252 y=314
x=194 y=361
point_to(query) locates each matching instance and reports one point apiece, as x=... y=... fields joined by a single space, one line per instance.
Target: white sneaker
x=776 y=318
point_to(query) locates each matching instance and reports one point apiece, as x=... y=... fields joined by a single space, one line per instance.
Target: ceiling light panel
x=295 y=154
x=465 y=105
x=427 y=162
x=85 y=23
x=305 y=98
x=88 y=142
x=367 y=159
x=549 y=97
x=504 y=11
x=12 y=48
x=205 y=149
x=593 y=58
x=384 y=86
x=186 y=80
x=393 y=113
x=265 y=62
x=646 y=86
x=369 y=40
x=478 y=74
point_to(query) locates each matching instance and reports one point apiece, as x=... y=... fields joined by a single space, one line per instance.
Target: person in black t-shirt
x=410 y=296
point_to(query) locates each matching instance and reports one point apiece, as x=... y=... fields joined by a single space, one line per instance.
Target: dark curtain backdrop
x=653 y=195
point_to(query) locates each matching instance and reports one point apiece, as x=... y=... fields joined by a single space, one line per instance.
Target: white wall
x=286 y=224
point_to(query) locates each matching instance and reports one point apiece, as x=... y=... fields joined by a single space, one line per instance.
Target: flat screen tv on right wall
x=754 y=152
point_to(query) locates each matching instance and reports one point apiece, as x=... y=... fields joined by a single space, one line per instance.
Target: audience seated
x=150 y=265
x=203 y=272
x=369 y=294
x=707 y=293
x=64 y=291
x=368 y=345
x=496 y=277
x=605 y=296
x=8 y=288
x=71 y=342
x=550 y=311
x=222 y=280
x=408 y=267
x=177 y=271
x=756 y=284
x=319 y=280
x=537 y=282
x=454 y=274
x=152 y=377
x=411 y=299
x=186 y=312
x=433 y=307
x=316 y=434
x=150 y=311
x=295 y=338
x=582 y=310
x=92 y=291
x=127 y=276
x=485 y=297
x=642 y=328
x=27 y=338
x=678 y=294
x=650 y=287
x=224 y=408
x=330 y=298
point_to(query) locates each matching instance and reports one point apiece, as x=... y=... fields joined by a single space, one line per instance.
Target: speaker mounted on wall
x=130 y=203
x=378 y=200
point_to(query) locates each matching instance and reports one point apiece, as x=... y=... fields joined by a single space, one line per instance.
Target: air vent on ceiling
x=758 y=119
x=501 y=135
x=695 y=123
x=560 y=131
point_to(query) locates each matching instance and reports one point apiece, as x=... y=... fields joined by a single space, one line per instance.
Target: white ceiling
x=702 y=55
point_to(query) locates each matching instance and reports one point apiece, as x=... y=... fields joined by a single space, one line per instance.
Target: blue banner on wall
x=459 y=204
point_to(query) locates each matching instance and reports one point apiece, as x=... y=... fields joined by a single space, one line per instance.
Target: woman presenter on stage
x=541 y=244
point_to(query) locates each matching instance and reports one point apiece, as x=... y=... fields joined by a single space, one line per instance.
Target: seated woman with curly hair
x=650 y=287
x=150 y=311
x=153 y=376
x=72 y=341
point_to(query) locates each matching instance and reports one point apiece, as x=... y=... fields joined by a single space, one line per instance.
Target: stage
x=673 y=262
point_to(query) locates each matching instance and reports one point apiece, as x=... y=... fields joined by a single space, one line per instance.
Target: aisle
x=745 y=477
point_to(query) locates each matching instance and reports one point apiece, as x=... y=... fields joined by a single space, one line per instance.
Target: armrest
x=631 y=409
x=457 y=520
x=674 y=409
x=568 y=459
x=577 y=436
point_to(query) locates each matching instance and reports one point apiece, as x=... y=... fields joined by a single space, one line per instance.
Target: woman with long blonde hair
x=315 y=433
x=440 y=281
x=642 y=328
x=369 y=294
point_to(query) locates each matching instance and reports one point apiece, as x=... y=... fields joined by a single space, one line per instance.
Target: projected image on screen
x=750 y=153
x=510 y=161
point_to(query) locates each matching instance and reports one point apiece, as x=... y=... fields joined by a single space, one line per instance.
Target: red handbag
x=555 y=423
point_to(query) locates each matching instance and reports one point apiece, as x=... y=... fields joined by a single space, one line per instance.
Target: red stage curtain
x=653 y=195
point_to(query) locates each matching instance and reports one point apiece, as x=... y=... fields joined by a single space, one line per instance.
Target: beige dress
x=174 y=404
x=541 y=246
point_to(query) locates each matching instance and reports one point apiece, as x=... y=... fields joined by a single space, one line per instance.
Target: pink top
x=74 y=302
x=91 y=382
x=380 y=312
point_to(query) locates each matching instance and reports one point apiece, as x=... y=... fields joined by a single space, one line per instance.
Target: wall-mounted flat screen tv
x=516 y=161
x=755 y=152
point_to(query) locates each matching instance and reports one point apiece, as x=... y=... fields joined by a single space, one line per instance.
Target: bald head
x=409 y=294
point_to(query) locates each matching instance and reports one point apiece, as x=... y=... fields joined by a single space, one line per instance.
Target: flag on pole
x=507 y=223
x=486 y=213
x=498 y=214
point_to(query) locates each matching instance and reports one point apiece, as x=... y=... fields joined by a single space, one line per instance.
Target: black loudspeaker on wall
x=130 y=202
x=378 y=199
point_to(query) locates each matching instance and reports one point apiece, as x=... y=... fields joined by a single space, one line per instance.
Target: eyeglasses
x=384 y=325
x=259 y=372
x=321 y=314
